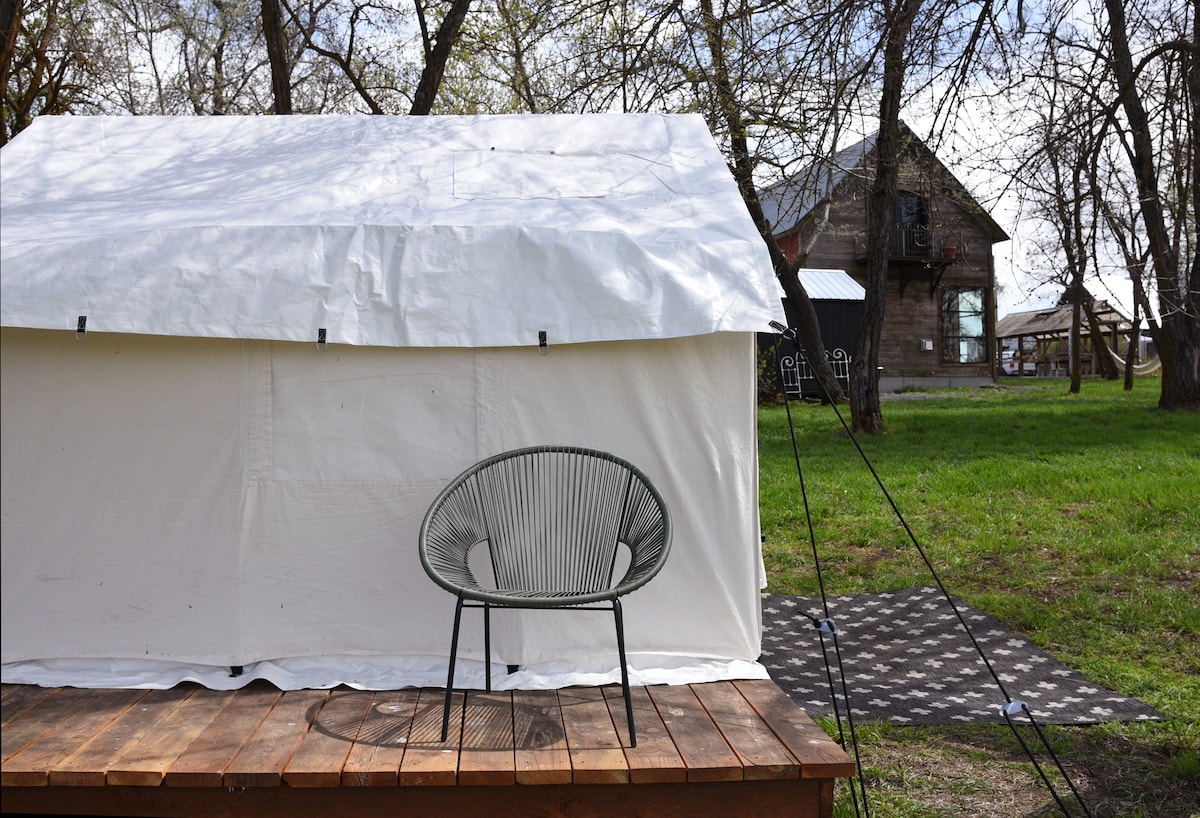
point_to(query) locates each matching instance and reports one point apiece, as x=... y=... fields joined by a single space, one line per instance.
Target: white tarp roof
x=384 y=231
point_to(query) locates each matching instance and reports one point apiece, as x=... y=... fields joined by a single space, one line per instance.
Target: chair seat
x=517 y=598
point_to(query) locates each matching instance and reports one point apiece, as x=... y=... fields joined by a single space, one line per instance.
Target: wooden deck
x=722 y=748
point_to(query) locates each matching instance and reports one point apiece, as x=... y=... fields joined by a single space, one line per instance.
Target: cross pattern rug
x=908 y=660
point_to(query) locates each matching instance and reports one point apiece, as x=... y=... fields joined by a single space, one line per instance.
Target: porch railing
x=796 y=370
x=909 y=241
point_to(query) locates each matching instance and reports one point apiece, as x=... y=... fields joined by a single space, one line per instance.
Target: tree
x=436 y=52
x=1134 y=128
x=743 y=173
x=371 y=48
x=44 y=60
x=836 y=53
x=276 y=44
x=173 y=57
x=864 y=369
x=1179 y=292
x=1062 y=176
x=10 y=26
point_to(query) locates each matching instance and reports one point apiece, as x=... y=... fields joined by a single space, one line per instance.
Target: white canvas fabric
x=177 y=502
x=207 y=503
x=386 y=231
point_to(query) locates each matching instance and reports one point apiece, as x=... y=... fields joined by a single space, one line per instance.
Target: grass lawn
x=1073 y=519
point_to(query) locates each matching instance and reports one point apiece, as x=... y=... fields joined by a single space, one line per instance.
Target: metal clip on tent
x=81 y=328
x=786 y=332
x=543 y=345
x=322 y=344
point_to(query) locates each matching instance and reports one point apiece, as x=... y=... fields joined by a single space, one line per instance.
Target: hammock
x=1150 y=367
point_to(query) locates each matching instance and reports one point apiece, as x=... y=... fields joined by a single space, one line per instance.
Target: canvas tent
x=241 y=355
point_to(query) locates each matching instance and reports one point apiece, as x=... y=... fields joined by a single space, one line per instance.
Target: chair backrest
x=553 y=519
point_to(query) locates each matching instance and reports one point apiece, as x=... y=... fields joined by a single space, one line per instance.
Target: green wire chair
x=553 y=519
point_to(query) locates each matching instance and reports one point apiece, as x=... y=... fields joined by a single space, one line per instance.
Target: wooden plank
x=540 y=740
x=382 y=740
x=203 y=763
x=43 y=716
x=762 y=754
x=31 y=766
x=656 y=759
x=429 y=761
x=207 y=718
x=261 y=761
x=819 y=755
x=794 y=798
x=704 y=750
x=88 y=765
x=146 y=763
x=487 y=757
x=596 y=753
x=323 y=752
x=16 y=699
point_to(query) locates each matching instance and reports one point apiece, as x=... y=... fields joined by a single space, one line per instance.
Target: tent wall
x=215 y=503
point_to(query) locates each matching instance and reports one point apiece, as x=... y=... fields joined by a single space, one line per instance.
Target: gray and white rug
x=908 y=660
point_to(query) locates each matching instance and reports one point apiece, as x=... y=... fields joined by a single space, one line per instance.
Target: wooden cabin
x=940 y=315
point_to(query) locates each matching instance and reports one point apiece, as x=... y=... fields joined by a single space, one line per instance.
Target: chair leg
x=487 y=645
x=450 y=674
x=624 y=670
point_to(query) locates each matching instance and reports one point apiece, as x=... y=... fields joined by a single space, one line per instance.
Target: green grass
x=1073 y=519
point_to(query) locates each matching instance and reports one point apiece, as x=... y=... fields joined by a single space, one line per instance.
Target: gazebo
x=1044 y=336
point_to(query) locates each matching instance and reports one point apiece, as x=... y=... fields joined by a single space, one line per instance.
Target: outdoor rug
x=908 y=660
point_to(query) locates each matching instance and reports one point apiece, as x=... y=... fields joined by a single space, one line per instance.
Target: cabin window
x=964 y=338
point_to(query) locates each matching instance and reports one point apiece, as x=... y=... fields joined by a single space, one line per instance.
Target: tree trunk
x=1179 y=305
x=1182 y=334
x=10 y=25
x=1187 y=349
x=437 y=57
x=864 y=369
x=1076 y=357
x=1100 y=353
x=281 y=75
x=1131 y=354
